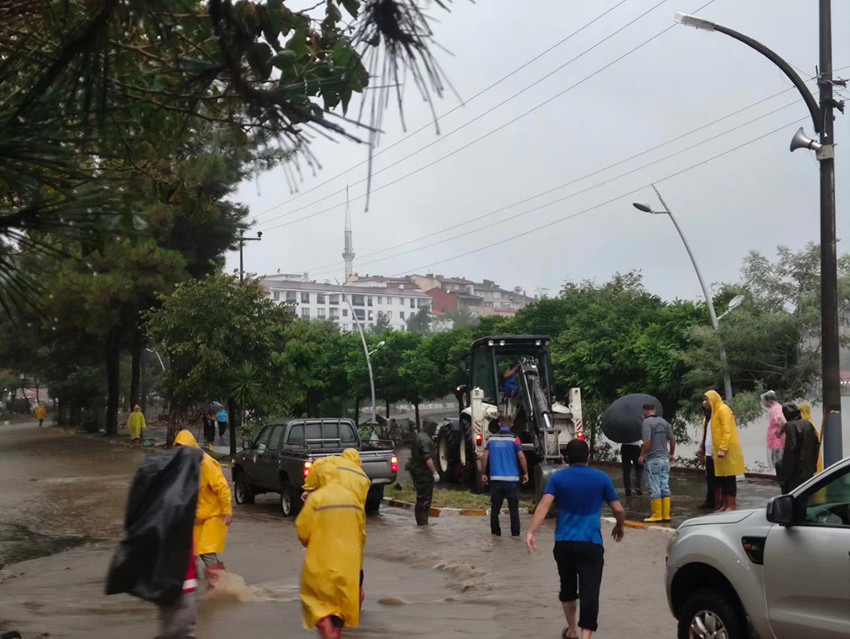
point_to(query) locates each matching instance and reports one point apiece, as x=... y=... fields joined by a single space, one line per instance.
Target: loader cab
x=493 y=356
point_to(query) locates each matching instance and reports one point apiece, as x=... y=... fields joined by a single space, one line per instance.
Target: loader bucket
x=542 y=473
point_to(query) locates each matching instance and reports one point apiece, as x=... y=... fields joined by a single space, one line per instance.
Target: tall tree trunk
x=388 y=410
x=113 y=385
x=232 y=412
x=357 y=412
x=37 y=398
x=416 y=408
x=136 y=365
x=143 y=390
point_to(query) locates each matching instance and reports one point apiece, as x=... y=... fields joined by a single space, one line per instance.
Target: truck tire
x=290 y=501
x=374 y=499
x=242 y=491
x=445 y=467
x=710 y=613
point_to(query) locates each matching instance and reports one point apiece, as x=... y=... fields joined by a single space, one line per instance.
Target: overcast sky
x=756 y=197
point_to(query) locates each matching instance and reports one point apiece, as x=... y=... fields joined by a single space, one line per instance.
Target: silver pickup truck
x=780 y=572
x=281 y=456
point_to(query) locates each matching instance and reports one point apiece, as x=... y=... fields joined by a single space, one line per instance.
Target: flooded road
x=63 y=499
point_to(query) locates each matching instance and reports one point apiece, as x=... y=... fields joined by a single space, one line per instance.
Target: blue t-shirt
x=579 y=492
x=511 y=383
x=222 y=415
x=503 y=448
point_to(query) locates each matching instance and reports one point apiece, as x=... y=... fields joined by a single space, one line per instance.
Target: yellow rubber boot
x=665 y=509
x=656 y=511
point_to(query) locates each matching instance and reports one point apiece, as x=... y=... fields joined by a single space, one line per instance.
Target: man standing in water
x=424 y=475
x=578 y=492
x=504 y=456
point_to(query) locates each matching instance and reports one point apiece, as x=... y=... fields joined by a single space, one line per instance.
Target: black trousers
x=729 y=485
x=629 y=455
x=209 y=432
x=711 y=483
x=222 y=428
x=580 y=568
x=499 y=492
x=424 y=484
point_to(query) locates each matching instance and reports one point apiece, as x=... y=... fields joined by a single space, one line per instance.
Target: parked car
x=781 y=572
x=283 y=453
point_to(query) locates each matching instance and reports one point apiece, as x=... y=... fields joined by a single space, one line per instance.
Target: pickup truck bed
x=279 y=459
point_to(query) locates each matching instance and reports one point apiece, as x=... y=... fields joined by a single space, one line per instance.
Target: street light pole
x=365 y=350
x=727 y=382
x=242 y=240
x=822 y=121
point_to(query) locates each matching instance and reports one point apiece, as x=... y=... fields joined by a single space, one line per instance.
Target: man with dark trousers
x=424 y=475
x=504 y=456
x=629 y=456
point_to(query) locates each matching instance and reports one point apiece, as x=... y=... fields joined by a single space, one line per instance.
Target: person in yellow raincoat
x=136 y=424
x=351 y=476
x=728 y=454
x=332 y=526
x=214 y=512
x=806 y=413
x=40 y=413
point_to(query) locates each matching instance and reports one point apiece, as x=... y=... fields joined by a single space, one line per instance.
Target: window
x=380 y=300
x=830 y=506
x=401 y=314
x=334 y=313
x=357 y=300
x=277 y=433
x=426 y=307
x=277 y=295
x=359 y=313
x=305 y=298
x=412 y=303
x=322 y=313
x=389 y=314
x=369 y=300
x=333 y=299
x=291 y=296
x=296 y=436
x=313 y=435
x=346 y=434
x=345 y=312
x=263 y=439
x=320 y=298
x=305 y=313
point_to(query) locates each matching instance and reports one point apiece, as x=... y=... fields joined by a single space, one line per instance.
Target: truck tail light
x=580 y=435
x=394 y=464
x=478 y=439
x=754 y=547
x=307 y=466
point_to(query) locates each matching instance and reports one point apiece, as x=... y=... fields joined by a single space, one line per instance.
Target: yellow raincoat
x=136 y=423
x=213 y=502
x=724 y=436
x=351 y=475
x=40 y=411
x=332 y=525
x=806 y=413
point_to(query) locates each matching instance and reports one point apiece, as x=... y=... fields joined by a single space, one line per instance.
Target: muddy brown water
x=61 y=508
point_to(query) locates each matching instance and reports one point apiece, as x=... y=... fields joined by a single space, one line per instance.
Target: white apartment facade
x=319 y=301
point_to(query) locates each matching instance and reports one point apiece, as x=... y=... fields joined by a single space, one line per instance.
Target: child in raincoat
x=727 y=452
x=214 y=512
x=332 y=526
x=136 y=424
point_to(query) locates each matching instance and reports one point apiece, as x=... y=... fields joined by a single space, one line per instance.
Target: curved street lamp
x=822 y=115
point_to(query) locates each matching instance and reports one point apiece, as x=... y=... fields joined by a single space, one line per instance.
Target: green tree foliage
x=420 y=322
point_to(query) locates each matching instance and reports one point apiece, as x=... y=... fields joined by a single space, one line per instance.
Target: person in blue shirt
x=578 y=492
x=504 y=456
x=222 y=424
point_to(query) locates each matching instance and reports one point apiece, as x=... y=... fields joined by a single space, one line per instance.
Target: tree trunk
x=37 y=398
x=232 y=412
x=113 y=381
x=416 y=408
x=388 y=410
x=357 y=412
x=143 y=391
x=136 y=366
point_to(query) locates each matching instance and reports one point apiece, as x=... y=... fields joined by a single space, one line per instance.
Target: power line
x=480 y=138
x=572 y=195
x=598 y=206
x=453 y=109
x=325 y=267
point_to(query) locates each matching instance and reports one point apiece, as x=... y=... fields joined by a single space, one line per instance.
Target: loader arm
x=538 y=411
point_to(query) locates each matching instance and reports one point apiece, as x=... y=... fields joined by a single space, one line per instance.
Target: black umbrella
x=622 y=420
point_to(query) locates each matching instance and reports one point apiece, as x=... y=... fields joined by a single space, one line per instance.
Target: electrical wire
x=598 y=206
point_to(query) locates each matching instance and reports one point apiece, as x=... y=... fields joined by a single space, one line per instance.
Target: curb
x=439 y=512
x=641 y=526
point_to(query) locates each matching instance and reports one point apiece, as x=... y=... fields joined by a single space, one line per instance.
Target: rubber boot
x=421 y=517
x=214 y=574
x=656 y=511
x=665 y=509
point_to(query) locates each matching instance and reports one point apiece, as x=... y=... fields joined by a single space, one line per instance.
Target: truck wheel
x=242 y=491
x=444 y=461
x=709 y=613
x=374 y=499
x=290 y=501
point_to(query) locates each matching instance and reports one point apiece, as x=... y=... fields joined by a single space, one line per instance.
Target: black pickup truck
x=283 y=452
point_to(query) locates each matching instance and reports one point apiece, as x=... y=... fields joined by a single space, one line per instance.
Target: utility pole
x=832 y=440
x=242 y=240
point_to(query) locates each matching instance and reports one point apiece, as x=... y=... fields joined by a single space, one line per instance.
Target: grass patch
x=448 y=498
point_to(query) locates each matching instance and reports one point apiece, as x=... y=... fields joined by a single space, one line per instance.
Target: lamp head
x=736 y=301
x=693 y=21
x=259 y=235
x=642 y=207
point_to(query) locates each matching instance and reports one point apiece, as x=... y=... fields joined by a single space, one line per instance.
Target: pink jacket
x=775 y=441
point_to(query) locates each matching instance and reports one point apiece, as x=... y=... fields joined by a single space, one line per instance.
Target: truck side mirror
x=780 y=510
